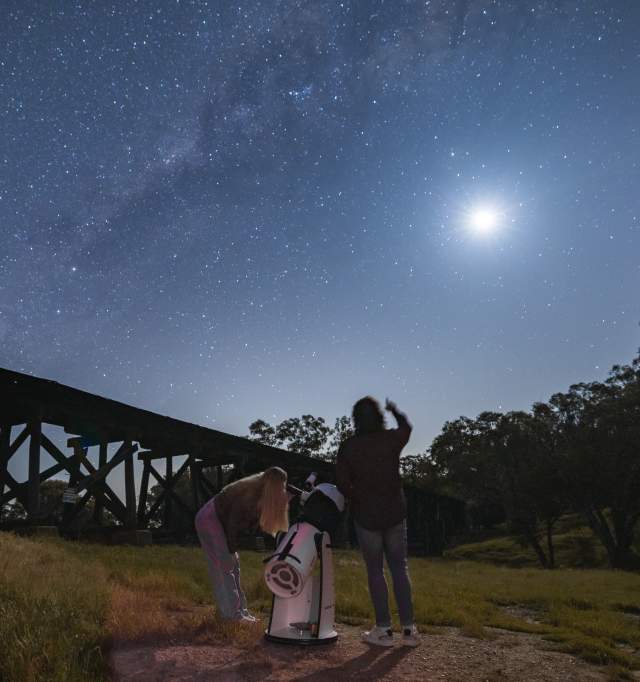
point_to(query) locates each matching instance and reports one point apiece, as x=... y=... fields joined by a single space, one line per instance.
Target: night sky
x=223 y=211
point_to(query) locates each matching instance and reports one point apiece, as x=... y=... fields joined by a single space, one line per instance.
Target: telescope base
x=303 y=641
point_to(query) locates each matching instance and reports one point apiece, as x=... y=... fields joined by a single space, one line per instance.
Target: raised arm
x=404 y=427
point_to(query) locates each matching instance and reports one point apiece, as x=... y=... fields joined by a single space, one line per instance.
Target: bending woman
x=260 y=501
x=368 y=474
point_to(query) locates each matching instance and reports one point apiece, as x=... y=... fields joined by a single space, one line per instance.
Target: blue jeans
x=392 y=544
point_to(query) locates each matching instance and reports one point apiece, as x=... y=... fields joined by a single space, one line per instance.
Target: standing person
x=260 y=501
x=368 y=474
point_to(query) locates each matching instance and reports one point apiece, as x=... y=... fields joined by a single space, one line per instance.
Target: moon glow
x=484 y=220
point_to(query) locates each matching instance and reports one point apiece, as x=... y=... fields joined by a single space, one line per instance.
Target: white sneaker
x=378 y=636
x=242 y=618
x=410 y=636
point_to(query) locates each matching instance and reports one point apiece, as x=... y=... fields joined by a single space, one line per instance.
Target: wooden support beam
x=208 y=489
x=167 y=500
x=155 y=506
x=154 y=454
x=165 y=489
x=16 y=491
x=71 y=463
x=99 y=503
x=69 y=511
x=89 y=441
x=168 y=490
x=20 y=439
x=239 y=467
x=95 y=480
x=219 y=457
x=112 y=504
x=142 y=501
x=33 y=489
x=130 y=492
x=5 y=445
x=194 y=473
x=97 y=476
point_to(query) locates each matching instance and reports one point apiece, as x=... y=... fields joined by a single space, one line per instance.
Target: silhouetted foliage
x=595 y=429
x=306 y=435
x=504 y=460
x=580 y=451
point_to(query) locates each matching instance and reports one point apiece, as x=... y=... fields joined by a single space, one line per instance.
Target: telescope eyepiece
x=293 y=489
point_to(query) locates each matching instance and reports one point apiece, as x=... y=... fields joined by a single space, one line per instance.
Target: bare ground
x=444 y=654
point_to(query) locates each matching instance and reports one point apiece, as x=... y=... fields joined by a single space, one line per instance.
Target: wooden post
x=219 y=478
x=142 y=502
x=194 y=474
x=167 y=500
x=130 y=491
x=33 y=485
x=239 y=468
x=79 y=453
x=206 y=487
x=74 y=476
x=5 y=445
x=98 y=514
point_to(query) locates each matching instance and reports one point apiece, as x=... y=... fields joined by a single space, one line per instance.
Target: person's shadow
x=371 y=665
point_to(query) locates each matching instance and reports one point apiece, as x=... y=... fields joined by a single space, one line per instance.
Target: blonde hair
x=273 y=505
x=269 y=487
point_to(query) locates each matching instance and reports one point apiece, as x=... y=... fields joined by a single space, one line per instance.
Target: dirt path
x=444 y=655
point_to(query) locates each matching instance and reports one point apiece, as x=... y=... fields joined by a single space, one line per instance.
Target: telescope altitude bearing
x=285 y=578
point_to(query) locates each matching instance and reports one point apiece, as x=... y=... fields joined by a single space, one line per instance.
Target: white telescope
x=303 y=605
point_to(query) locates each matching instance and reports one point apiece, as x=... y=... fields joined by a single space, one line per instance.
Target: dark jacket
x=368 y=475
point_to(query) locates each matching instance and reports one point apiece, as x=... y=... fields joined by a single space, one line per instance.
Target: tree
x=263 y=432
x=531 y=488
x=458 y=458
x=342 y=429
x=502 y=460
x=51 y=506
x=13 y=511
x=596 y=433
x=306 y=435
x=421 y=471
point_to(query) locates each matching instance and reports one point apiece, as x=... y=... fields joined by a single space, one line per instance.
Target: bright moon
x=483 y=220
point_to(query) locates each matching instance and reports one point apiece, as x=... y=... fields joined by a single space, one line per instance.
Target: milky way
x=229 y=211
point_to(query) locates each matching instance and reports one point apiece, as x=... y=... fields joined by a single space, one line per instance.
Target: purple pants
x=224 y=567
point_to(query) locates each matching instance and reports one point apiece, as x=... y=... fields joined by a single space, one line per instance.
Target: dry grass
x=93 y=594
x=52 y=613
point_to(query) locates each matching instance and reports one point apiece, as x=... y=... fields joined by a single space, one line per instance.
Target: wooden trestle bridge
x=28 y=404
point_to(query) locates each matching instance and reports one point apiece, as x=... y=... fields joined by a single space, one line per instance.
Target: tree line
x=306 y=435
x=577 y=453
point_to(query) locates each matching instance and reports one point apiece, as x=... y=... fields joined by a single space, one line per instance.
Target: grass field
x=62 y=604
